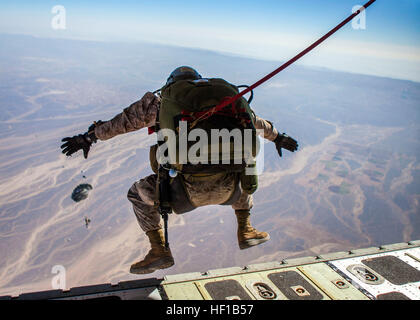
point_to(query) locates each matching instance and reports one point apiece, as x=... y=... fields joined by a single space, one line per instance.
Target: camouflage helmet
x=183 y=73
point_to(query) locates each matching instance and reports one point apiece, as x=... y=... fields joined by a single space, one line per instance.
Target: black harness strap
x=164 y=199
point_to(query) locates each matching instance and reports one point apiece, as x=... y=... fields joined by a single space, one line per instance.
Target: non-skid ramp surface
x=294 y=286
x=393 y=269
x=390 y=272
x=227 y=289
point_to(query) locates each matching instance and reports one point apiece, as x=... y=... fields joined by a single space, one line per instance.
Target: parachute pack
x=227 y=137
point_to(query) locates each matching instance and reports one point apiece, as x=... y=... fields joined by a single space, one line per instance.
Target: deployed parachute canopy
x=81 y=192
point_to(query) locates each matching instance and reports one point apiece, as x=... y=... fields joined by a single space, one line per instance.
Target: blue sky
x=265 y=29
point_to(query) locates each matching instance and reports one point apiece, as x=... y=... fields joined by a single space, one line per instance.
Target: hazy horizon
x=384 y=43
x=276 y=64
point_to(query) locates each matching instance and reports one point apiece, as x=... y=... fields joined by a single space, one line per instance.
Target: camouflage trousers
x=201 y=190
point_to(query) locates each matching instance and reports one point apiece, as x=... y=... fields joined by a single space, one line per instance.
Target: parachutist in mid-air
x=81 y=192
x=185 y=100
x=87 y=222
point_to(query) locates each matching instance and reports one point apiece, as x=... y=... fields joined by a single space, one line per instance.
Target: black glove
x=286 y=142
x=80 y=142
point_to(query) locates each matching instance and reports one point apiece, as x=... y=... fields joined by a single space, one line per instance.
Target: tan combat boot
x=247 y=235
x=157 y=258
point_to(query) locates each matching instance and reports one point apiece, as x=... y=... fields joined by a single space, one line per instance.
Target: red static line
x=294 y=59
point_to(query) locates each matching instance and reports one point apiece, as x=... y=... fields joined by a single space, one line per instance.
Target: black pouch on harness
x=181 y=203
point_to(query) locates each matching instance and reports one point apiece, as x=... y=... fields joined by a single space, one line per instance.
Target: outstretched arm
x=281 y=140
x=270 y=133
x=139 y=115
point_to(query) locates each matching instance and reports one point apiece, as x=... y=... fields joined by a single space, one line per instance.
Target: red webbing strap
x=226 y=102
